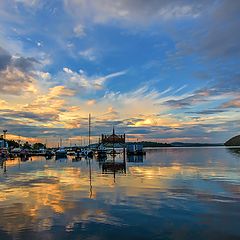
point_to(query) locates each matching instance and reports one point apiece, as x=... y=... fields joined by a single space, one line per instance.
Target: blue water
x=172 y=193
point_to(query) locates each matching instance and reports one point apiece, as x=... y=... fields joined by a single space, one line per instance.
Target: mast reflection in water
x=172 y=193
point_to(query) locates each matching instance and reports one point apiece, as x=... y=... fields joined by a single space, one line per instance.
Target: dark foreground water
x=174 y=193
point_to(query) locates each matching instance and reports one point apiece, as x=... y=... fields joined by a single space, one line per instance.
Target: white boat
x=101 y=151
x=61 y=153
x=87 y=152
x=78 y=154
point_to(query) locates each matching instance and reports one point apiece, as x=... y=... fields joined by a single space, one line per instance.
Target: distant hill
x=174 y=144
x=234 y=141
x=158 y=144
x=153 y=144
x=178 y=144
x=182 y=144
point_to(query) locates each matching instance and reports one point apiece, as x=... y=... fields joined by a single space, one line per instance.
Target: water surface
x=172 y=193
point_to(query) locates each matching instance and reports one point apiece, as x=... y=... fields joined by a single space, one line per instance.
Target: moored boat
x=101 y=151
x=61 y=153
x=87 y=153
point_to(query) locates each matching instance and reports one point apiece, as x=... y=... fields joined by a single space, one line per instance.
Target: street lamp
x=4 y=134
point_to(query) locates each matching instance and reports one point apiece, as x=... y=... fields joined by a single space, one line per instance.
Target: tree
x=12 y=144
x=37 y=146
x=26 y=145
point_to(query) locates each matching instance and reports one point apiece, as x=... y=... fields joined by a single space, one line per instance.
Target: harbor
x=105 y=148
x=119 y=119
x=111 y=185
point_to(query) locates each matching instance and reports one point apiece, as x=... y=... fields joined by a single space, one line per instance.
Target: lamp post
x=4 y=134
x=4 y=138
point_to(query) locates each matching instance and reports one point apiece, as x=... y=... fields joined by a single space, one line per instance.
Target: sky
x=156 y=70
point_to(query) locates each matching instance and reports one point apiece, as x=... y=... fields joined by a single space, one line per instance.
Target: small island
x=234 y=141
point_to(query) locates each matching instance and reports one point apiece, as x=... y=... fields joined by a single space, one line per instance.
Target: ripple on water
x=172 y=194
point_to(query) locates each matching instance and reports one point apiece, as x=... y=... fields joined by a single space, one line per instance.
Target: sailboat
x=61 y=152
x=101 y=151
x=88 y=152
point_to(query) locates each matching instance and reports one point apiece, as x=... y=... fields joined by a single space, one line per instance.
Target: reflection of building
x=135 y=158
x=113 y=167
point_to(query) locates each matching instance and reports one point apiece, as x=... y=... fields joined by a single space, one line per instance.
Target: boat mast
x=89 y=130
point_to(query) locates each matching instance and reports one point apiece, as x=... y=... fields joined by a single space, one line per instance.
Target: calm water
x=177 y=193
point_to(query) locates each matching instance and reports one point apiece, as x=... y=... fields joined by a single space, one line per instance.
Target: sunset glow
x=161 y=70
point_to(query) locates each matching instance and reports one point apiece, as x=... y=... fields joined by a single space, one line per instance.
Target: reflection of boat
x=3 y=164
x=11 y=156
x=61 y=153
x=77 y=157
x=3 y=154
x=87 y=153
x=38 y=152
x=24 y=155
x=77 y=154
x=16 y=150
x=49 y=154
x=70 y=153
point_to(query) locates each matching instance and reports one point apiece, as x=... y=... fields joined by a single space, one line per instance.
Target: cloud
x=88 y=54
x=3 y=103
x=208 y=111
x=52 y=101
x=24 y=64
x=223 y=37
x=217 y=36
x=205 y=31
x=80 y=80
x=29 y=3
x=16 y=82
x=219 y=90
x=58 y=91
x=13 y=114
x=192 y=99
x=91 y=102
x=44 y=110
x=16 y=77
x=5 y=59
x=19 y=62
x=133 y=11
x=234 y=103
x=42 y=75
x=79 y=31
x=67 y=70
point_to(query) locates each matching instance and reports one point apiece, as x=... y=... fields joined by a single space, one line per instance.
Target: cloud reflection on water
x=41 y=195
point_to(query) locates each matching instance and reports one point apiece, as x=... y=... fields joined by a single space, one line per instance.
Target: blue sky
x=156 y=70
